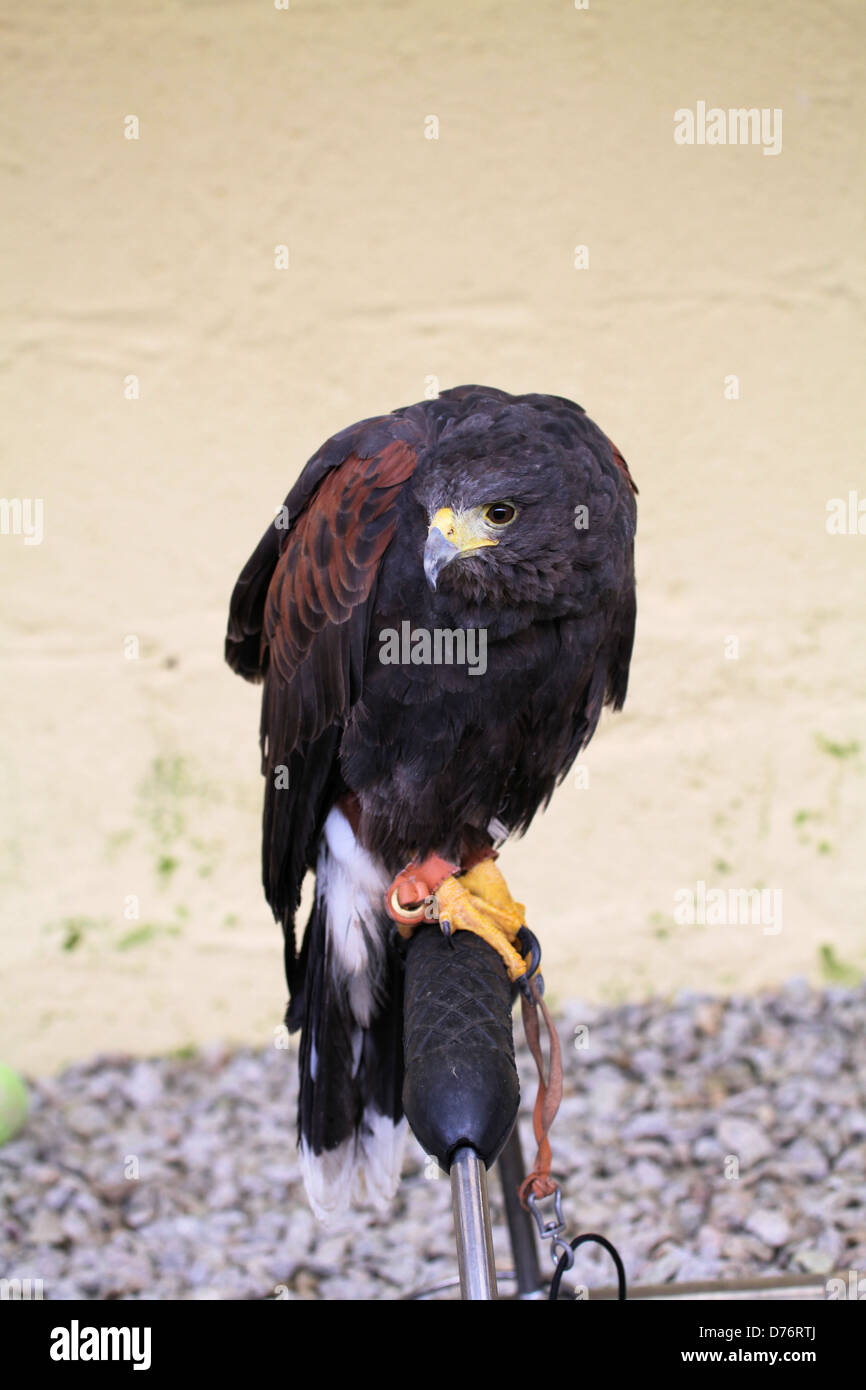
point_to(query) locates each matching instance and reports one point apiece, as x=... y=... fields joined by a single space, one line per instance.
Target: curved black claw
x=531 y=952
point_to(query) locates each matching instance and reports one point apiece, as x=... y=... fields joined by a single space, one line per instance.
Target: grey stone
x=747 y=1141
x=772 y=1227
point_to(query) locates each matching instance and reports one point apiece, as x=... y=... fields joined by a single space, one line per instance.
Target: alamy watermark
x=854 y=1290
x=77 y=1343
x=846 y=516
x=439 y=646
x=729 y=907
x=21 y=1290
x=739 y=125
x=22 y=516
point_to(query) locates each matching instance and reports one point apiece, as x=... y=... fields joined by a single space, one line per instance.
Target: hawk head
x=520 y=515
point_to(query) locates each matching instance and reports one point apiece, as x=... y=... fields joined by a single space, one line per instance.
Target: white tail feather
x=362 y=1171
x=350 y=885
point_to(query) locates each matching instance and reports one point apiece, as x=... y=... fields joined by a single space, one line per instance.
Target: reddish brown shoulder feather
x=332 y=553
x=622 y=465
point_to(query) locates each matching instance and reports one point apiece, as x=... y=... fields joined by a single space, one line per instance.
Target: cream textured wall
x=410 y=258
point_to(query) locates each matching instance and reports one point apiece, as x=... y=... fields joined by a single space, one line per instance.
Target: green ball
x=14 y=1103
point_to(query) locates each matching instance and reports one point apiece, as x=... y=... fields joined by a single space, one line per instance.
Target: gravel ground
x=708 y=1138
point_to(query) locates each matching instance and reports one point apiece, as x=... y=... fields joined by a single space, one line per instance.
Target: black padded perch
x=461 y=1086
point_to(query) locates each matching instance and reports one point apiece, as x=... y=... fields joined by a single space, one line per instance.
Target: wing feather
x=299 y=620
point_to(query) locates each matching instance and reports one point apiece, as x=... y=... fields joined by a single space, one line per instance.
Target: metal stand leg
x=512 y=1171
x=472 y=1226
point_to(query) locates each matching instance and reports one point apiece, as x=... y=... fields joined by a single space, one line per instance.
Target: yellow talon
x=496 y=923
x=486 y=882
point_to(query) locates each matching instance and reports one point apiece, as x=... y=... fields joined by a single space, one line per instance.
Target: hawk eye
x=500 y=513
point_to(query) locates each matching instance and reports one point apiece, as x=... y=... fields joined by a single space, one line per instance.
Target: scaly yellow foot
x=485 y=882
x=495 y=918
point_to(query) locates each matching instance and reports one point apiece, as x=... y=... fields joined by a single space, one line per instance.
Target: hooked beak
x=448 y=537
x=438 y=552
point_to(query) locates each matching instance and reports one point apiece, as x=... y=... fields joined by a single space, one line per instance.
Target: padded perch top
x=461 y=1085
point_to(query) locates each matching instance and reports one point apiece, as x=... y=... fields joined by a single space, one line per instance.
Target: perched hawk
x=506 y=522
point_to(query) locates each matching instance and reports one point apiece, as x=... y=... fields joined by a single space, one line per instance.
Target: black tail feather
x=345 y=1070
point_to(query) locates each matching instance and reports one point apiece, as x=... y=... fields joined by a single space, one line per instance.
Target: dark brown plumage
x=422 y=757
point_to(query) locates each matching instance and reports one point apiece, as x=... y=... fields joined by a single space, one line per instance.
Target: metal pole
x=512 y=1171
x=472 y=1226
